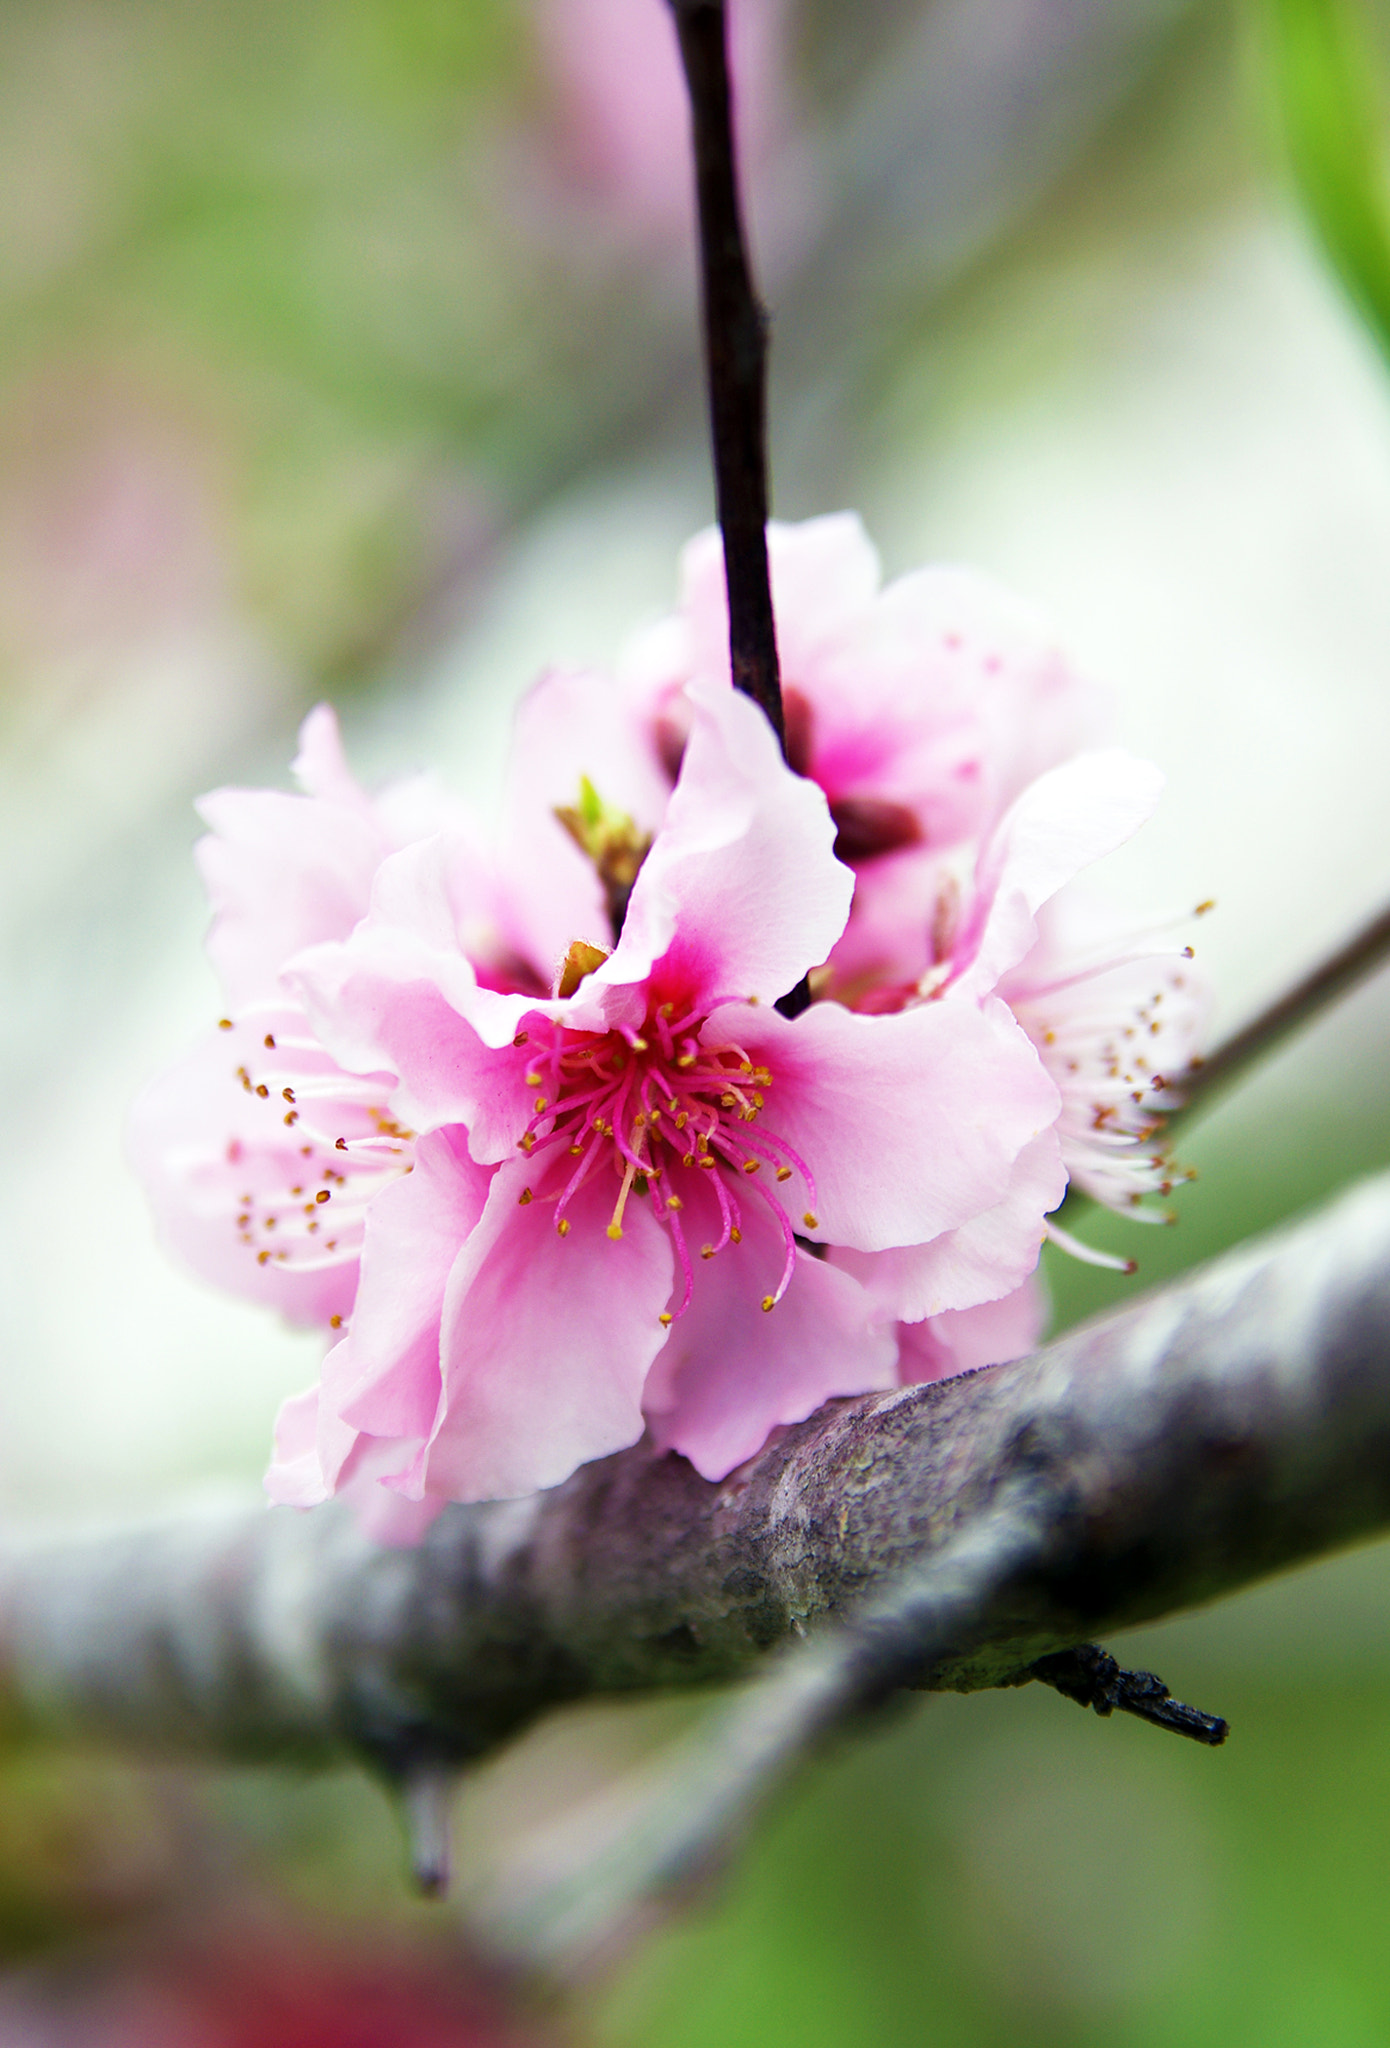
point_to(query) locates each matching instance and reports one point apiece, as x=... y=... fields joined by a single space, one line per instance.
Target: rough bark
x=1206 y=1435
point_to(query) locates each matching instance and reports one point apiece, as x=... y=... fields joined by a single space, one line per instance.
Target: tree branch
x=735 y=358
x=1364 y=952
x=1198 y=1439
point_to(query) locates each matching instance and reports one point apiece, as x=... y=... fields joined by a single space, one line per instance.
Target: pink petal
x=296 y=1478
x=321 y=768
x=200 y=1143
x=281 y=872
x=401 y=994
x=824 y=573
x=981 y=1259
x=1062 y=822
x=911 y=1123
x=572 y=724
x=968 y=1339
x=415 y=1230
x=547 y=1342
x=740 y=894
x=731 y=1373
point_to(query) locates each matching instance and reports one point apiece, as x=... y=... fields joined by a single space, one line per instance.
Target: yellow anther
x=665 y=1319
x=706 y=1251
x=639 y=1045
x=735 y=1234
x=335 y=1322
x=224 y=1023
x=727 y=1101
x=769 y=1303
x=784 y=1173
x=270 y=1041
x=523 y=1198
x=323 y=1195
x=674 y=1202
x=615 y=1231
x=533 y=1080
x=563 y=1226
x=521 y=1038
x=288 y=1094
x=687 y=1059
x=526 y=1143
x=752 y=1165
x=811 y=1220
x=682 y=1119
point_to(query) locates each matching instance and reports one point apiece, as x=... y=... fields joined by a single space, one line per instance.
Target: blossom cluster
x=715 y=1084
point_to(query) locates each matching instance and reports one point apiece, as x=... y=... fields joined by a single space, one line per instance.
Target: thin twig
x=1091 y=1677
x=1361 y=955
x=736 y=369
x=735 y=358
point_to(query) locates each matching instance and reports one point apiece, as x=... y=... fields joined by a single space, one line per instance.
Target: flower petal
x=824 y=573
x=982 y=1259
x=968 y=1339
x=202 y=1143
x=547 y=1342
x=415 y=1231
x=741 y=893
x=402 y=995
x=731 y=1373
x=910 y=1123
x=1061 y=823
x=573 y=723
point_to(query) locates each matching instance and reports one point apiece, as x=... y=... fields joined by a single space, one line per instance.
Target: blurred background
x=349 y=350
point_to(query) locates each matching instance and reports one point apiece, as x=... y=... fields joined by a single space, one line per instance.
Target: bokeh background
x=349 y=350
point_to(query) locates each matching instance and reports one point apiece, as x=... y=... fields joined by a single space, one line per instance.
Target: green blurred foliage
x=1323 y=63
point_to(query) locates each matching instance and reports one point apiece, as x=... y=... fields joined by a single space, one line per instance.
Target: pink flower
x=238 y=1141
x=997 y=936
x=615 y=1187
x=921 y=709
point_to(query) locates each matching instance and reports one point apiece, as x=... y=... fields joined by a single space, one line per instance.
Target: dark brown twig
x=735 y=358
x=1091 y=1677
x=736 y=368
x=1361 y=955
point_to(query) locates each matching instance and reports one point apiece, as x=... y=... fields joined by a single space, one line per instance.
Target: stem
x=1361 y=955
x=735 y=359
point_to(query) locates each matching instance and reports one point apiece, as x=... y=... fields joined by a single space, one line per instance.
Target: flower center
x=661 y=1111
x=329 y=1145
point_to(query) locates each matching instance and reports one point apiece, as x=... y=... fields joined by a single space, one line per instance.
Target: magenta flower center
x=658 y=1111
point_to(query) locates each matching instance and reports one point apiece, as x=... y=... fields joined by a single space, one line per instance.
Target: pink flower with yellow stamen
x=642 y=1171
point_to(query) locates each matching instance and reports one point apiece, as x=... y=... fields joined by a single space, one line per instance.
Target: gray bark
x=1196 y=1440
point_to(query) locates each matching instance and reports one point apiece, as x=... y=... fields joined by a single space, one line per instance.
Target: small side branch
x=735 y=358
x=1364 y=952
x=1091 y=1677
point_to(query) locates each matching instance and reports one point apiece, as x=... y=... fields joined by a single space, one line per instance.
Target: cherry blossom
x=526 y=1132
x=620 y=1193
x=921 y=709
